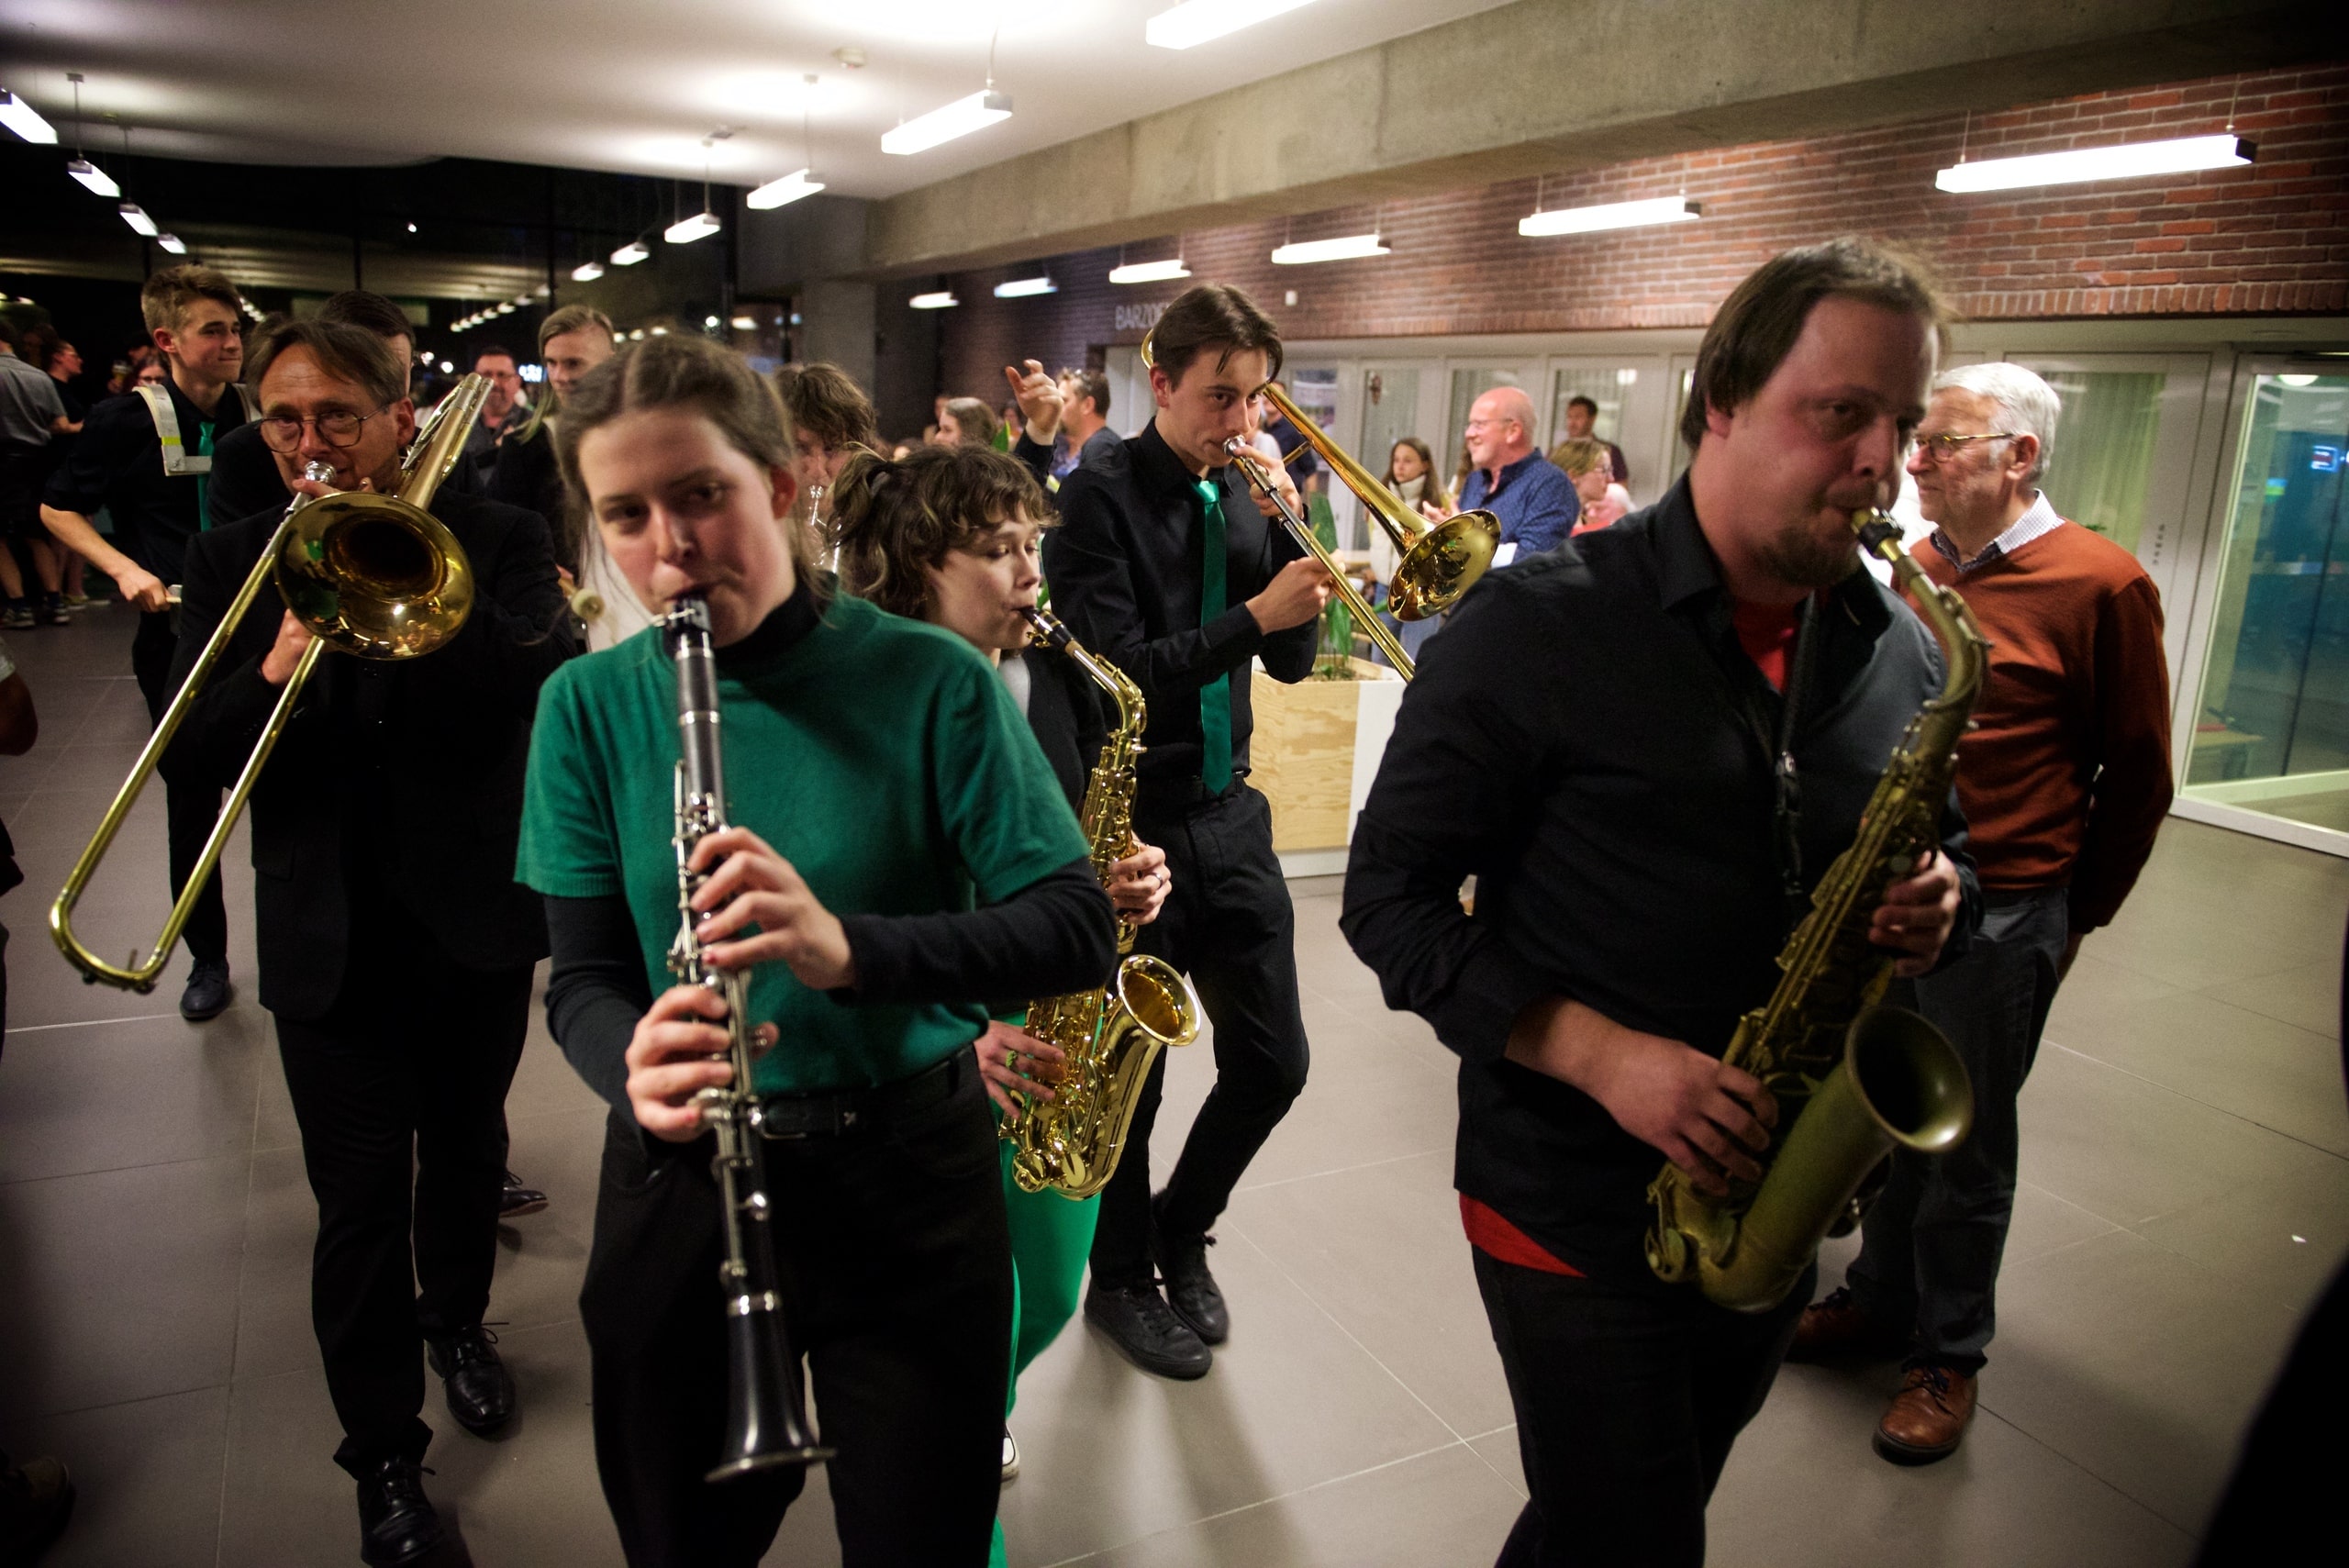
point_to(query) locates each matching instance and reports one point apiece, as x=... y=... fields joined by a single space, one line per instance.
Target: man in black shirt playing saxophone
x=1598 y=736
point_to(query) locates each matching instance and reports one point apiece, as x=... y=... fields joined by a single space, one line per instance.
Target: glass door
x=2268 y=749
x=1390 y=413
x=1628 y=396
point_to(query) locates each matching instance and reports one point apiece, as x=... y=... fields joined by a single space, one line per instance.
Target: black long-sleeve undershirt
x=1053 y=935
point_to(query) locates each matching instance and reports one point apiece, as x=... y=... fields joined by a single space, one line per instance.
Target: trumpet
x=375 y=575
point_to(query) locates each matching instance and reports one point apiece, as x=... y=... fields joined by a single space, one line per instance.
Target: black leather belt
x=829 y=1115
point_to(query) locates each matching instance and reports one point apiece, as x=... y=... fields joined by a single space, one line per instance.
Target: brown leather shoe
x=1834 y=1326
x=1927 y=1417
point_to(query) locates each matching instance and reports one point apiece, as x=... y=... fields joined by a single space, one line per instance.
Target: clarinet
x=767 y=1422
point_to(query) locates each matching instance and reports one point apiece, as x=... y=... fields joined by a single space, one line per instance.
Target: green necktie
x=203 y=481
x=1214 y=697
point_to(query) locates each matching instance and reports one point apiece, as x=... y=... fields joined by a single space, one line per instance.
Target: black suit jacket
x=1069 y=718
x=1124 y=568
x=400 y=779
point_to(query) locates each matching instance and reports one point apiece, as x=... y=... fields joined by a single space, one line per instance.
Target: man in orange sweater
x=2065 y=781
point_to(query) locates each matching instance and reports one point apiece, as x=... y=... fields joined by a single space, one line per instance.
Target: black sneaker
x=53 y=610
x=518 y=1200
x=208 y=991
x=36 y=1500
x=1146 y=1331
x=397 y=1524
x=480 y=1389
x=1190 y=1288
x=18 y=616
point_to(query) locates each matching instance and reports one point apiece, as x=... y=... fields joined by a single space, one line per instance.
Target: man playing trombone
x=1161 y=566
x=396 y=951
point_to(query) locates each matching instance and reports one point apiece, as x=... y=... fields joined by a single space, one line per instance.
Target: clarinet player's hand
x=749 y=884
x=679 y=1050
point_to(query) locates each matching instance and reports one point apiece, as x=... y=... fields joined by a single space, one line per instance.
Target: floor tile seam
x=2198 y=1100
x=1332 y=1170
x=2190 y=1531
x=115 y=1170
x=51 y=1415
x=91 y=1023
x=1260 y=1503
x=1376 y=1359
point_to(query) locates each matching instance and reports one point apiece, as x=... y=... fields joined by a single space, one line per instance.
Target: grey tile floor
x=2186 y=1191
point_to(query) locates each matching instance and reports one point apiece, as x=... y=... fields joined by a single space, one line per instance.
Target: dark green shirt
x=879 y=756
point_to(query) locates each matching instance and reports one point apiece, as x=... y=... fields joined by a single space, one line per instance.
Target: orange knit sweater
x=2067 y=777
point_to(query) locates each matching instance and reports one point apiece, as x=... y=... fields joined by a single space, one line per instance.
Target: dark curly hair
x=892 y=520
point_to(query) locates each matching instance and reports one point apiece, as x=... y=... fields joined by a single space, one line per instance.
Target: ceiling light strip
x=1196 y=22
x=1345 y=248
x=2129 y=161
x=958 y=118
x=1613 y=214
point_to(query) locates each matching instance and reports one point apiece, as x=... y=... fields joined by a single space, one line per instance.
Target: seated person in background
x=1512 y=480
x=1584 y=462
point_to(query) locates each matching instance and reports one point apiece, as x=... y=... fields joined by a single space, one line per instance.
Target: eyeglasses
x=283 y=432
x=1940 y=448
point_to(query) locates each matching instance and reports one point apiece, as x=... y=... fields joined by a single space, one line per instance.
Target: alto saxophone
x=1853 y=1079
x=1071 y=1142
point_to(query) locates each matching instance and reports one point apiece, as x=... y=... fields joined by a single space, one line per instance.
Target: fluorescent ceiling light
x=90 y=175
x=959 y=118
x=1150 y=272
x=172 y=243
x=586 y=271
x=2129 y=161
x=685 y=231
x=943 y=300
x=783 y=192
x=22 y=118
x=1196 y=21
x=1613 y=214
x=629 y=254
x=135 y=216
x=506 y=307
x=1021 y=288
x=1345 y=248
x=745 y=324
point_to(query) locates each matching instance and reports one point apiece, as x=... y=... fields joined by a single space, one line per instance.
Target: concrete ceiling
x=634 y=87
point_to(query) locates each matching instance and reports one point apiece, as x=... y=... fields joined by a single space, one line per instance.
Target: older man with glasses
x=2064 y=780
x=1532 y=496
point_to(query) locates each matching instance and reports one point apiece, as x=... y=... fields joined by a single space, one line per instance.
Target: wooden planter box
x=1315 y=750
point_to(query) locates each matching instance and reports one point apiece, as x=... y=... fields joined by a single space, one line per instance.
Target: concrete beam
x=1547 y=86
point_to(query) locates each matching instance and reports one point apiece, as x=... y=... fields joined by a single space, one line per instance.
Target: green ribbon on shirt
x=203 y=481
x=1214 y=697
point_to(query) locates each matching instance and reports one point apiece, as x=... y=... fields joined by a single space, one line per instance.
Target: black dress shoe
x=1190 y=1289
x=1146 y=1331
x=518 y=1200
x=397 y=1524
x=208 y=991
x=36 y=1500
x=480 y=1389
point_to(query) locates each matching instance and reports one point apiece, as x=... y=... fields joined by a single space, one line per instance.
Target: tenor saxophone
x=1111 y=1035
x=1853 y=1079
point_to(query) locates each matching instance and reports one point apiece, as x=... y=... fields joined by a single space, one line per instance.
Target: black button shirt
x=1588 y=739
x=1124 y=572
x=118 y=465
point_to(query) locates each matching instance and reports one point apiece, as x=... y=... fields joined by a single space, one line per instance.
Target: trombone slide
x=1302 y=531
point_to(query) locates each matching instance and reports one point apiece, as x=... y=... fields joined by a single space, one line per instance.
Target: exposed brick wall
x=2267 y=240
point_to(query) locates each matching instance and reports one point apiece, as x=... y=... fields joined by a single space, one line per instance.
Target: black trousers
x=897 y=1276
x=1627 y=1403
x=192 y=808
x=1229 y=925
x=400 y=1091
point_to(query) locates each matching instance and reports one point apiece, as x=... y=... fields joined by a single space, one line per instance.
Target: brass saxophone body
x=1853 y=1079
x=1110 y=1035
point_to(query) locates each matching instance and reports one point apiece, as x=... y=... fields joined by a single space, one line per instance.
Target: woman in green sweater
x=899 y=847
x=951 y=535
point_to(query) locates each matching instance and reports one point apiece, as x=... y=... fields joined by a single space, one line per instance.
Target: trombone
x=375 y=575
x=1438 y=561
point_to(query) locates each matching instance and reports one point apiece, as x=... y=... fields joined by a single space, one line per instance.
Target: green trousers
x=1050 y=1238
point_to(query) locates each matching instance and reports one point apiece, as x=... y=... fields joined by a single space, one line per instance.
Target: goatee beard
x=1799 y=558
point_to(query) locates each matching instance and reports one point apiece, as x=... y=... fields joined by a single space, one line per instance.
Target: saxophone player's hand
x=679 y=1050
x=1706 y=1117
x=1016 y=1063
x=1916 y=915
x=751 y=884
x=1140 y=882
